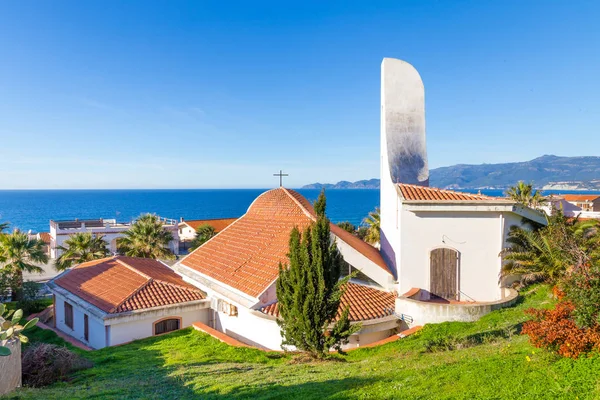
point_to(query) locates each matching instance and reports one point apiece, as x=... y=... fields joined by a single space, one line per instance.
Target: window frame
x=164 y=320
x=86 y=327
x=69 y=315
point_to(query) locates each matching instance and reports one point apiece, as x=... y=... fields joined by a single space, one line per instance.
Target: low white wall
x=97 y=337
x=423 y=312
x=139 y=326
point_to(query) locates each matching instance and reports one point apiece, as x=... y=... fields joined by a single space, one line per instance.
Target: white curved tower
x=403 y=147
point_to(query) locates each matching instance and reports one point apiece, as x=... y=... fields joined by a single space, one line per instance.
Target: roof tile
x=119 y=284
x=365 y=303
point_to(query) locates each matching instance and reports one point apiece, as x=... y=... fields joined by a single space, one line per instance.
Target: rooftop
x=119 y=284
x=365 y=303
x=217 y=224
x=580 y=197
x=424 y=193
x=246 y=254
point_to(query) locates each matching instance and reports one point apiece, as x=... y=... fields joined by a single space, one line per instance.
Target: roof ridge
x=115 y=308
x=123 y=263
x=195 y=289
x=304 y=210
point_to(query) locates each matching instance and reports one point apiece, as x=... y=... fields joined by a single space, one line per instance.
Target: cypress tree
x=309 y=290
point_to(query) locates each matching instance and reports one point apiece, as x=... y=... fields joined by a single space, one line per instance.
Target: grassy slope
x=188 y=364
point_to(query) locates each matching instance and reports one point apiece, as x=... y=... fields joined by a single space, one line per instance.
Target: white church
x=439 y=259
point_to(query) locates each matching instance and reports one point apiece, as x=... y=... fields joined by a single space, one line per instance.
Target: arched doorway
x=444 y=273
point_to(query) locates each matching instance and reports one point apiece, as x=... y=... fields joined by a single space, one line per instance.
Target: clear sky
x=198 y=94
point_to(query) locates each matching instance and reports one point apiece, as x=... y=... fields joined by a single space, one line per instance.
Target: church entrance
x=444 y=267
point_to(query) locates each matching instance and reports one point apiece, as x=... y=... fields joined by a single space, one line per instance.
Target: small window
x=86 y=328
x=166 y=325
x=68 y=315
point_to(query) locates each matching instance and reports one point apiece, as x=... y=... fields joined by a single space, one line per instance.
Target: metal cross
x=280 y=175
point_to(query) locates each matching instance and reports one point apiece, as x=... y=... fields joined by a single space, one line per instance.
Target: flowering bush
x=556 y=330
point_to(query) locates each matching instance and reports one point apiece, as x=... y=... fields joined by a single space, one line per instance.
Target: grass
x=487 y=359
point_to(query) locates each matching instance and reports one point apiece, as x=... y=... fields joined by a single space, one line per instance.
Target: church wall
x=247 y=327
x=478 y=237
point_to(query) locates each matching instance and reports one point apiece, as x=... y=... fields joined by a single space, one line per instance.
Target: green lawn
x=486 y=360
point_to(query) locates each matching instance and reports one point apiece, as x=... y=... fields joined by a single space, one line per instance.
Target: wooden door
x=444 y=273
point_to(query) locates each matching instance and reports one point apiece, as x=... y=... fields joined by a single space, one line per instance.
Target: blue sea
x=33 y=209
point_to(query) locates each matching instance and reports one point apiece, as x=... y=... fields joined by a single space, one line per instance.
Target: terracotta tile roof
x=119 y=284
x=415 y=192
x=218 y=224
x=365 y=303
x=45 y=237
x=246 y=255
x=580 y=197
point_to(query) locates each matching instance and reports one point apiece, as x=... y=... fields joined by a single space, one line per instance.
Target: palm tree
x=19 y=253
x=81 y=247
x=347 y=226
x=3 y=226
x=146 y=238
x=534 y=256
x=524 y=193
x=203 y=234
x=373 y=222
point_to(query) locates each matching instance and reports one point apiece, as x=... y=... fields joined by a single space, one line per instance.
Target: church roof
x=246 y=255
x=119 y=284
x=424 y=193
x=365 y=303
x=217 y=224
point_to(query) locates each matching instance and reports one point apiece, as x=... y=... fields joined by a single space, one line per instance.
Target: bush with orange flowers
x=556 y=330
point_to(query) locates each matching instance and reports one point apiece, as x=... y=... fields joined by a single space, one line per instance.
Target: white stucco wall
x=186 y=232
x=139 y=326
x=477 y=236
x=96 y=325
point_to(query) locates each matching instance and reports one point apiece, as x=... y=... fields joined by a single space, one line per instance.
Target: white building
x=110 y=230
x=119 y=299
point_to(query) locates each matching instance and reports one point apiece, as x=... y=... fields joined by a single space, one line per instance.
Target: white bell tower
x=403 y=147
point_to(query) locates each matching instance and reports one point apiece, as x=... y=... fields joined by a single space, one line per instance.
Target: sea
x=31 y=210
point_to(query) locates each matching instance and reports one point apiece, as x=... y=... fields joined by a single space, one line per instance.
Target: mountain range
x=546 y=172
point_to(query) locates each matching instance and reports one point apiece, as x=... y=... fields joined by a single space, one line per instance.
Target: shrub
x=556 y=330
x=44 y=364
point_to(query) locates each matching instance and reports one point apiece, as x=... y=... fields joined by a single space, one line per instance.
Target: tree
x=524 y=193
x=373 y=223
x=203 y=234
x=3 y=226
x=81 y=247
x=146 y=238
x=550 y=252
x=19 y=253
x=347 y=226
x=309 y=290
x=532 y=256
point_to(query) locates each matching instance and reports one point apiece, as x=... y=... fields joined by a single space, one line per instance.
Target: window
x=86 y=329
x=68 y=315
x=229 y=309
x=166 y=325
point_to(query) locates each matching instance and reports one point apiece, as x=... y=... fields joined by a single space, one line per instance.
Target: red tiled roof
x=119 y=284
x=365 y=303
x=580 y=197
x=45 y=237
x=246 y=255
x=415 y=192
x=217 y=224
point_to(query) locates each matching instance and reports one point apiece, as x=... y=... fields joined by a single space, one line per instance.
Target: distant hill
x=546 y=172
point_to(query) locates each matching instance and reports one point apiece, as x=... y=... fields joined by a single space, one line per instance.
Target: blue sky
x=144 y=94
